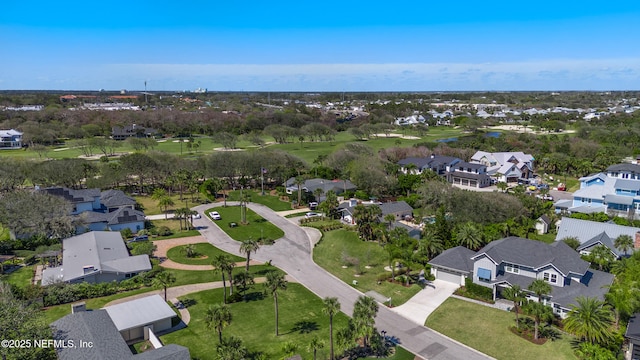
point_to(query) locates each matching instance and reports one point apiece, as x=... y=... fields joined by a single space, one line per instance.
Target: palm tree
x=274 y=283
x=539 y=312
x=189 y=250
x=164 y=280
x=624 y=243
x=222 y=264
x=164 y=203
x=364 y=313
x=601 y=255
x=515 y=294
x=289 y=348
x=540 y=288
x=389 y=218
x=430 y=245
x=623 y=298
x=502 y=186
x=247 y=247
x=315 y=345
x=392 y=254
x=218 y=317
x=330 y=307
x=469 y=236
x=299 y=181
x=231 y=349
x=590 y=319
x=317 y=193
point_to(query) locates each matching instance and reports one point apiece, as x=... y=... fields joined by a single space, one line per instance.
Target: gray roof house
x=133 y=316
x=112 y=200
x=434 y=162
x=592 y=233
x=124 y=132
x=400 y=209
x=633 y=334
x=311 y=185
x=97 y=327
x=97 y=256
x=453 y=265
x=512 y=260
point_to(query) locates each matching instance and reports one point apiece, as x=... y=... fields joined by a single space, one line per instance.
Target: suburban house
x=124 y=132
x=132 y=317
x=98 y=211
x=436 y=163
x=615 y=192
x=468 y=175
x=512 y=260
x=312 y=185
x=10 y=139
x=633 y=334
x=98 y=328
x=506 y=166
x=591 y=234
x=94 y=257
x=543 y=224
x=399 y=209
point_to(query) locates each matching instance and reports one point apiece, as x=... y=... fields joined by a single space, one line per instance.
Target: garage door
x=448 y=276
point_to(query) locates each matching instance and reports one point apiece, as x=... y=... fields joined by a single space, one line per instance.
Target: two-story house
x=615 y=192
x=468 y=175
x=506 y=166
x=517 y=261
x=434 y=162
x=98 y=211
x=591 y=234
x=10 y=139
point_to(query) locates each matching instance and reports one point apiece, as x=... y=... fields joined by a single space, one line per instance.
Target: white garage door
x=448 y=276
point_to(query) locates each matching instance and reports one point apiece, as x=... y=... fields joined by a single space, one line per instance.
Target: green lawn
x=20 y=278
x=339 y=248
x=205 y=253
x=272 y=202
x=151 y=207
x=174 y=225
x=487 y=330
x=257 y=227
x=300 y=320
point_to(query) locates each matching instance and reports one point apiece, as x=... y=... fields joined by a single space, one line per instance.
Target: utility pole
x=146 y=101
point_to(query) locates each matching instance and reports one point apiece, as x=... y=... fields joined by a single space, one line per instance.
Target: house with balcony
x=615 y=192
x=99 y=211
x=468 y=175
x=517 y=261
x=10 y=139
x=506 y=166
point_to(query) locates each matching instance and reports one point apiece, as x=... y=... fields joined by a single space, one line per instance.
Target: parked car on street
x=215 y=215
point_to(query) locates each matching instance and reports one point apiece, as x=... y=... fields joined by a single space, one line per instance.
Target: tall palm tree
x=539 y=312
x=164 y=203
x=222 y=264
x=389 y=219
x=314 y=345
x=247 y=247
x=601 y=255
x=430 y=244
x=217 y=318
x=624 y=243
x=164 y=280
x=274 y=283
x=299 y=181
x=591 y=319
x=330 y=307
x=364 y=313
x=540 y=288
x=469 y=236
x=515 y=294
x=623 y=298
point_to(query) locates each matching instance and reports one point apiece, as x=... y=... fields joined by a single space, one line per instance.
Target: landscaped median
x=360 y=264
x=256 y=228
x=203 y=254
x=487 y=330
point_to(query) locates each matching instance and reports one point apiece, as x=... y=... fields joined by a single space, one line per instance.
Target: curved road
x=293 y=254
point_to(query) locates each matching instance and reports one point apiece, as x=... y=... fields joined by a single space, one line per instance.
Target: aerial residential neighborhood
x=328 y=235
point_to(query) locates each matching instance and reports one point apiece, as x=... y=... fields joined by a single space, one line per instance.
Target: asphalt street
x=293 y=254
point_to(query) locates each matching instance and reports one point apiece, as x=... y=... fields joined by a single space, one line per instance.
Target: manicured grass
x=151 y=207
x=401 y=354
x=174 y=225
x=334 y=251
x=20 y=278
x=298 y=214
x=205 y=252
x=487 y=330
x=301 y=319
x=272 y=202
x=257 y=227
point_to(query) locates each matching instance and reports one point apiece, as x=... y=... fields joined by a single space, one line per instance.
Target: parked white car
x=215 y=215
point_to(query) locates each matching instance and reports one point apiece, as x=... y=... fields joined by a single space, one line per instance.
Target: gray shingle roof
x=625 y=167
x=585 y=230
x=311 y=185
x=600 y=239
x=535 y=254
x=113 y=198
x=72 y=195
x=457 y=258
x=119 y=216
x=98 y=327
x=633 y=328
x=395 y=207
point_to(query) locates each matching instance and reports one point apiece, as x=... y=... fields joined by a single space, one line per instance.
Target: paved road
x=292 y=253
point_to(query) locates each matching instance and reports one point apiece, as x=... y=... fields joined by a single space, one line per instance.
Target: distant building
x=311 y=185
x=10 y=139
x=506 y=166
x=122 y=133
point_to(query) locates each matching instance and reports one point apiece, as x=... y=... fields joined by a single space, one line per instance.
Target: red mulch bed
x=527 y=335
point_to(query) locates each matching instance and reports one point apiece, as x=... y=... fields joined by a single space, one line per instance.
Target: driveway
x=293 y=254
x=422 y=304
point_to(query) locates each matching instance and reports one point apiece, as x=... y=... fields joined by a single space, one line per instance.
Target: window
x=512 y=268
x=551 y=278
x=484 y=275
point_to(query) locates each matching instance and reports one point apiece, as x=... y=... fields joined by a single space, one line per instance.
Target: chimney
x=78 y=307
x=636 y=242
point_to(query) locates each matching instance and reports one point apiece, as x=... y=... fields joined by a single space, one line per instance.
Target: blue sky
x=320 y=46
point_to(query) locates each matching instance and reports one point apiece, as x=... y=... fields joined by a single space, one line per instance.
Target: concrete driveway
x=422 y=304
